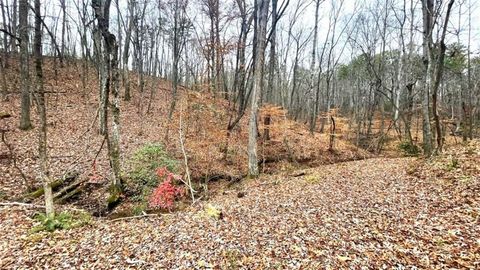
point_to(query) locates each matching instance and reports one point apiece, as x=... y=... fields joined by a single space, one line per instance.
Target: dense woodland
x=182 y=115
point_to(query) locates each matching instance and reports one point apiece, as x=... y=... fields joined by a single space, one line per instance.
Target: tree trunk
x=261 y=11
x=312 y=93
x=438 y=77
x=109 y=80
x=427 y=8
x=4 y=61
x=4 y=92
x=103 y=79
x=64 y=24
x=176 y=58
x=128 y=36
x=25 y=122
x=42 y=129
x=218 y=49
x=13 y=41
x=434 y=70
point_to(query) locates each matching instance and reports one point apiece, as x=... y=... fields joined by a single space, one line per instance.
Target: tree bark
x=4 y=92
x=434 y=71
x=312 y=93
x=42 y=129
x=176 y=59
x=64 y=24
x=25 y=122
x=128 y=36
x=438 y=77
x=13 y=42
x=109 y=80
x=427 y=9
x=261 y=11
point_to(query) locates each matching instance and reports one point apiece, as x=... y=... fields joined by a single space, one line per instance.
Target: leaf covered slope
x=367 y=213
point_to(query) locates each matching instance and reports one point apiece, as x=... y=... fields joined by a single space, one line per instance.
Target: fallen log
x=67 y=190
x=67 y=196
x=39 y=192
x=69 y=177
x=136 y=217
x=8 y=204
x=220 y=176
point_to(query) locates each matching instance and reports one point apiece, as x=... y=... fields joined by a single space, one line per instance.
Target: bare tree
x=311 y=93
x=434 y=55
x=63 y=6
x=4 y=59
x=25 y=122
x=42 y=129
x=126 y=53
x=82 y=31
x=109 y=77
x=261 y=12
x=13 y=42
x=176 y=57
x=240 y=77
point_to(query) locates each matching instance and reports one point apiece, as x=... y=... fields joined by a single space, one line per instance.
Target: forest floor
x=312 y=208
x=374 y=213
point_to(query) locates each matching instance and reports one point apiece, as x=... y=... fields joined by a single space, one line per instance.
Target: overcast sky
x=305 y=22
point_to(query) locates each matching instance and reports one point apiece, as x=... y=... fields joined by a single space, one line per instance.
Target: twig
x=36 y=206
x=99 y=150
x=134 y=217
x=22 y=204
x=10 y=34
x=91 y=126
x=188 y=183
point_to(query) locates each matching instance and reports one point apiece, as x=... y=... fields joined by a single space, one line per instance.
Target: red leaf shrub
x=165 y=194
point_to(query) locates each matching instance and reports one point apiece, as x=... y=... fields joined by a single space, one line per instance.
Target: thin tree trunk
x=5 y=40
x=64 y=23
x=4 y=91
x=25 y=122
x=313 y=93
x=42 y=129
x=176 y=58
x=469 y=76
x=13 y=42
x=128 y=36
x=438 y=77
x=427 y=8
x=261 y=11
x=103 y=90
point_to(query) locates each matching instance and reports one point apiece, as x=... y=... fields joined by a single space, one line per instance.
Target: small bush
x=139 y=209
x=165 y=194
x=453 y=164
x=213 y=212
x=141 y=178
x=409 y=149
x=313 y=179
x=62 y=221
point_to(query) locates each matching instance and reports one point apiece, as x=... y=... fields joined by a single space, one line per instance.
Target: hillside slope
x=74 y=143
